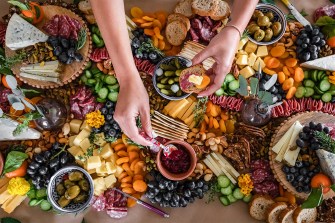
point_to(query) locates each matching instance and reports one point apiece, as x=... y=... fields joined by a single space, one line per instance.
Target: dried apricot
x=298 y=74
x=281 y=77
x=291 y=62
x=288 y=83
x=277 y=51
x=139 y=185
x=136 y=12
x=291 y=93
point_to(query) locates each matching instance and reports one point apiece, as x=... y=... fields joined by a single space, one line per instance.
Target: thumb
x=201 y=56
x=146 y=123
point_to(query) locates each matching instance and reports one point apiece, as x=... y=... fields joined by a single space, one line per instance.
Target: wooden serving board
x=304 y=118
x=70 y=72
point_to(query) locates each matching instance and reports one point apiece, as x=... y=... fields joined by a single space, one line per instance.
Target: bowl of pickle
x=166 y=77
x=267 y=25
x=70 y=190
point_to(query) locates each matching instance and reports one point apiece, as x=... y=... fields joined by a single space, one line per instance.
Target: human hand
x=222 y=49
x=133 y=102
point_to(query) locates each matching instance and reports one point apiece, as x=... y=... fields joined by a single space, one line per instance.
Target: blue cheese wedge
x=21 y=33
x=7 y=127
x=324 y=63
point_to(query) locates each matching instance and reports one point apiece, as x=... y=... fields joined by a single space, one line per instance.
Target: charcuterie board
x=70 y=72
x=304 y=118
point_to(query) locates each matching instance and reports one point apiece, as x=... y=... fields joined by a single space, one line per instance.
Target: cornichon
x=176 y=62
x=178 y=72
x=167 y=67
x=161 y=86
x=166 y=92
x=171 y=81
x=164 y=80
x=169 y=73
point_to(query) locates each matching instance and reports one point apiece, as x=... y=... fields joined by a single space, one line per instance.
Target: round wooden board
x=70 y=72
x=304 y=118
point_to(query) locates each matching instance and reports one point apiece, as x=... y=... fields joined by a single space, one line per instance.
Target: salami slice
x=100 y=203
x=118 y=212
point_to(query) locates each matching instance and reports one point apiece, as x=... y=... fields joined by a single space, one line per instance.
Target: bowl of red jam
x=179 y=164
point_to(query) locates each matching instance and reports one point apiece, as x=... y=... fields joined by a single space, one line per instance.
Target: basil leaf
x=14 y=160
x=254 y=85
x=314 y=199
x=325 y=20
x=329 y=30
x=243 y=89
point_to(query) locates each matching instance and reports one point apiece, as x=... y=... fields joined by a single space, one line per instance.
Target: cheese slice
x=324 y=63
x=297 y=128
x=7 y=126
x=210 y=166
x=189 y=111
x=4 y=181
x=4 y=196
x=81 y=136
x=290 y=156
x=169 y=107
x=14 y=203
x=230 y=167
x=195 y=79
x=223 y=169
x=40 y=78
x=21 y=33
x=43 y=73
x=284 y=140
x=183 y=111
x=46 y=66
x=178 y=107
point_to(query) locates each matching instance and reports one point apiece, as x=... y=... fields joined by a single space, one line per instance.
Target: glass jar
x=54 y=114
x=255 y=112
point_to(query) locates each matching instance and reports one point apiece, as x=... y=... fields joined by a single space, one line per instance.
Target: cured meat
x=328 y=10
x=144 y=66
x=3 y=28
x=63 y=26
x=99 y=54
x=99 y=203
x=227 y=102
x=203 y=29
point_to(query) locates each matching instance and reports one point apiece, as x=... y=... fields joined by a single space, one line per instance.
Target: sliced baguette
x=286 y=216
x=222 y=11
x=184 y=7
x=259 y=205
x=204 y=7
x=175 y=33
x=304 y=215
x=197 y=70
x=179 y=17
x=274 y=210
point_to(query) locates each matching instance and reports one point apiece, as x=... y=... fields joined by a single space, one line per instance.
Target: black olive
x=139 y=55
x=71 y=52
x=112 y=133
x=304 y=45
x=316 y=39
x=33 y=165
x=313 y=48
x=104 y=111
x=322 y=42
x=145 y=56
x=315 y=32
x=308 y=28
x=116 y=126
x=303 y=171
x=306 y=189
x=78 y=57
x=285 y=169
x=38 y=158
x=63 y=57
x=306 y=56
x=152 y=55
x=314 y=55
x=106 y=127
x=43 y=170
x=319 y=127
x=65 y=43
x=299 y=49
x=326 y=129
x=300 y=143
x=109 y=117
x=315 y=146
x=303 y=35
x=299 y=41
x=273 y=90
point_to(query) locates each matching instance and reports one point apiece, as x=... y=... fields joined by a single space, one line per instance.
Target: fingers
x=203 y=55
x=128 y=126
x=146 y=123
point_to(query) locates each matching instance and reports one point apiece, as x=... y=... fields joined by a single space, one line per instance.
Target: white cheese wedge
x=21 y=33
x=42 y=73
x=247 y=72
x=195 y=79
x=93 y=162
x=290 y=156
x=110 y=181
x=7 y=126
x=262 y=51
x=284 y=140
x=47 y=66
x=231 y=168
x=252 y=59
x=40 y=78
x=242 y=60
x=81 y=136
x=297 y=128
x=324 y=63
x=210 y=166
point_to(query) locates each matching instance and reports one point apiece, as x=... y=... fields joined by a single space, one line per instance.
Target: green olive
x=76 y=176
x=270 y=15
x=83 y=184
x=60 y=189
x=263 y=21
x=269 y=25
x=63 y=201
x=72 y=192
x=268 y=35
x=257 y=14
x=68 y=184
x=276 y=28
x=252 y=28
x=80 y=198
x=259 y=35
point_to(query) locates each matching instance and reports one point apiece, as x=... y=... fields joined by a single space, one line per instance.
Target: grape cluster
x=306 y=137
x=110 y=128
x=46 y=163
x=309 y=43
x=277 y=92
x=168 y=193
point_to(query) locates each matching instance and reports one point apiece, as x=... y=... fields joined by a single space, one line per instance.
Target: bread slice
x=304 y=215
x=85 y=7
x=175 y=33
x=179 y=17
x=259 y=205
x=286 y=215
x=222 y=11
x=204 y=7
x=184 y=7
x=185 y=84
x=274 y=210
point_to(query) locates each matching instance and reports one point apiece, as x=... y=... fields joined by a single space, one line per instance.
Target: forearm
x=242 y=11
x=110 y=16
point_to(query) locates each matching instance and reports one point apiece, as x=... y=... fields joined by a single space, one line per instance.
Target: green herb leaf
x=290 y=16
x=268 y=1
x=19 y=4
x=329 y=31
x=333 y=187
x=200 y=110
x=243 y=89
x=25 y=122
x=82 y=35
x=245 y=34
x=254 y=86
x=14 y=160
x=314 y=199
x=325 y=21
x=266 y=97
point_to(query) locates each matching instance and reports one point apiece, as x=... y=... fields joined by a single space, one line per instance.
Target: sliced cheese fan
x=21 y=33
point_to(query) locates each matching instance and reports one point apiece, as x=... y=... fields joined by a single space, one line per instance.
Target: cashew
x=214 y=147
x=199 y=171
x=199 y=143
x=280 y=44
x=220 y=149
x=66 y=129
x=37 y=150
x=217 y=140
x=208 y=177
x=195 y=130
x=211 y=141
x=203 y=136
x=207 y=143
x=210 y=135
x=197 y=136
x=199 y=166
x=289 y=43
x=191 y=135
x=208 y=171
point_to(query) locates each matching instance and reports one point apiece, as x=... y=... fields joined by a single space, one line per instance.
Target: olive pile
x=169 y=193
x=110 y=128
x=46 y=163
x=309 y=43
x=262 y=26
x=65 y=49
x=167 y=78
x=74 y=188
x=142 y=47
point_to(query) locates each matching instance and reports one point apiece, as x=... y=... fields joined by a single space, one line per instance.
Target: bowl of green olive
x=70 y=190
x=166 y=77
x=267 y=24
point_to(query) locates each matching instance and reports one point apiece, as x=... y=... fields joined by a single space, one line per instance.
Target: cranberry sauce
x=178 y=161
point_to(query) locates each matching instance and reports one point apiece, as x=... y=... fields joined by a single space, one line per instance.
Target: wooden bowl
x=2 y=162
x=304 y=118
x=181 y=176
x=70 y=72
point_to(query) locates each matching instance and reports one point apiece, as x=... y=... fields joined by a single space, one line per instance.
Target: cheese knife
x=145 y=204
x=296 y=13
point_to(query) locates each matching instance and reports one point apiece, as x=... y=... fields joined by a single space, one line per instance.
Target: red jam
x=178 y=161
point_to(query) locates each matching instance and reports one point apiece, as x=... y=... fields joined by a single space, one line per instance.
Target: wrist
x=127 y=75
